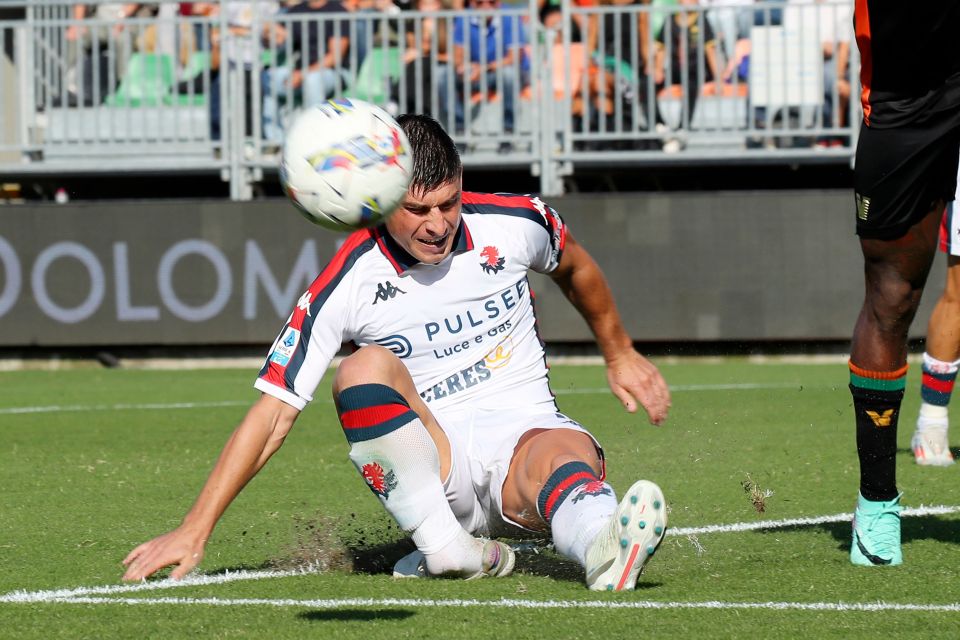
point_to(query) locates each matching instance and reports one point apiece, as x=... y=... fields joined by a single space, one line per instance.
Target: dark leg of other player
x=895 y=272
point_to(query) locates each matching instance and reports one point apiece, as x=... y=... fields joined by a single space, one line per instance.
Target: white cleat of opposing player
x=930 y=445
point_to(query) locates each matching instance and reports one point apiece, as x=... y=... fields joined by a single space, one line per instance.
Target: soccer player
x=445 y=403
x=930 y=444
x=906 y=170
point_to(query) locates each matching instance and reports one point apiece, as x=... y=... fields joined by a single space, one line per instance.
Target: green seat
x=196 y=66
x=379 y=69
x=147 y=81
x=198 y=62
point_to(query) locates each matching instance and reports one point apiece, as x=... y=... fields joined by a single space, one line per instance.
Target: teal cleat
x=876 y=533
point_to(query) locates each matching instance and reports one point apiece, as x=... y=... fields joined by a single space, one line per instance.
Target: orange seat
x=726 y=90
x=709 y=89
x=478 y=96
x=672 y=91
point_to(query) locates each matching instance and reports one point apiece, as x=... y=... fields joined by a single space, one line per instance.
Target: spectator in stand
x=551 y=17
x=488 y=55
x=689 y=42
x=249 y=26
x=322 y=46
x=724 y=17
x=738 y=61
x=424 y=59
x=834 y=24
x=97 y=54
x=620 y=43
x=201 y=33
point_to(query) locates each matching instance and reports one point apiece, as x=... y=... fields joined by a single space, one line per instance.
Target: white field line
x=733 y=386
x=800 y=522
x=58 y=408
x=87 y=594
x=506 y=603
x=193 y=580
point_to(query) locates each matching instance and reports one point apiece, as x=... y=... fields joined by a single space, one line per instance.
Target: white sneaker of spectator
x=672 y=145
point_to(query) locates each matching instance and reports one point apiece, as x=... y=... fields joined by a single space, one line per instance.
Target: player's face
x=426 y=222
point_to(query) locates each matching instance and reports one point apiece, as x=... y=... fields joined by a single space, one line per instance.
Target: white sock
x=399 y=461
x=463 y=555
x=931 y=414
x=935 y=415
x=582 y=516
x=939 y=366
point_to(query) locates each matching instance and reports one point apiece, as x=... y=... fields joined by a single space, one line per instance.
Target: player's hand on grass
x=634 y=379
x=177 y=547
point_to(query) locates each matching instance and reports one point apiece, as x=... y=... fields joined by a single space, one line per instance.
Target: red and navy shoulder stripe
x=507 y=204
x=310 y=303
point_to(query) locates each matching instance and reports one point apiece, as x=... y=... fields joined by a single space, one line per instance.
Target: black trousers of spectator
x=216 y=100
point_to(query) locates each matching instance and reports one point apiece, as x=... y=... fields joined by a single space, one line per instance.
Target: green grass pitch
x=94 y=461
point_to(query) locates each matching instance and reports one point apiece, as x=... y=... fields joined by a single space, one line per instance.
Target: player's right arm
x=258 y=437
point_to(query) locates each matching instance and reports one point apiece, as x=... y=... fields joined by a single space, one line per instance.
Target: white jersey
x=464 y=328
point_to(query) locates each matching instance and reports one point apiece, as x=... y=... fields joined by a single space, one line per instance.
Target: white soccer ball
x=346 y=164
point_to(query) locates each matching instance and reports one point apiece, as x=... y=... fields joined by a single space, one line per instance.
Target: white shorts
x=950 y=230
x=950 y=226
x=482 y=442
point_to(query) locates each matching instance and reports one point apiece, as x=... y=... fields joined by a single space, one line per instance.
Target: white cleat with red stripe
x=623 y=547
x=930 y=445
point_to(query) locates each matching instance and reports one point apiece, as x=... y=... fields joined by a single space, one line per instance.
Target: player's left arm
x=633 y=378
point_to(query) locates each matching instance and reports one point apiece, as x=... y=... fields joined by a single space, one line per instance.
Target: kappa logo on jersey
x=881 y=420
x=380 y=482
x=285 y=348
x=553 y=222
x=398 y=344
x=493 y=261
x=304 y=302
x=592 y=488
x=541 y=208
x=386 y=291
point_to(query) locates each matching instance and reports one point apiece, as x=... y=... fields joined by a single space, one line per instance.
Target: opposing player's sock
x=576 y=504
x=930 y=442
x=876 y=402
x=399 y=462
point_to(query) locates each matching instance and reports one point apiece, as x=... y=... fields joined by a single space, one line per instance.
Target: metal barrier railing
x=619 y=83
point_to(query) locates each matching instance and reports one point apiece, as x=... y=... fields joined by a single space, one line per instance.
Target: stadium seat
x=724 y=89
x=192 y=73
x=381 y=67
x=148 y=81
x=198 y=62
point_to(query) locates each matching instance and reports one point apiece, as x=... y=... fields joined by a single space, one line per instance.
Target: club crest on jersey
x=379 y=481
x=592 y=488
x=386 y=291
x=492 y=260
